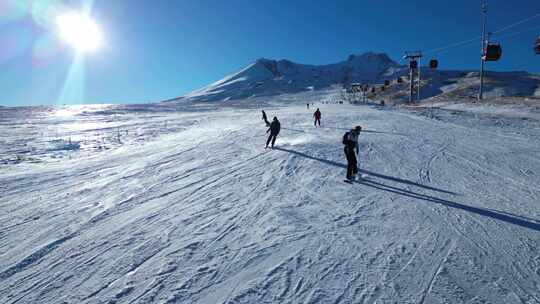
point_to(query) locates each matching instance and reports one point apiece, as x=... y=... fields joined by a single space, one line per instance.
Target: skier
x=274 y=129
x=265 y=118
x=317 y=116
x=350 y=140
x=308 y=106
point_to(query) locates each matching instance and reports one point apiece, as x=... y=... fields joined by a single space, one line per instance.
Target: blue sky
x=160 y=49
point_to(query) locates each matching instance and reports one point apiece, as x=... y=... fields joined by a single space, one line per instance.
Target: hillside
x=267 y=77
x=456 y=85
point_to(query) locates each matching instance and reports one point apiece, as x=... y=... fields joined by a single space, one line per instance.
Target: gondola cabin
x=433 y=64
x=537 y=46
x=356 y=88
x=493 y=52
x=353 y=88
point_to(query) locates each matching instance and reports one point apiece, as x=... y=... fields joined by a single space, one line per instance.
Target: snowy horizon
x=81 y=51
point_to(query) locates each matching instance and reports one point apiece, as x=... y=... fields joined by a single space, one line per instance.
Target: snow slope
x=187 y=207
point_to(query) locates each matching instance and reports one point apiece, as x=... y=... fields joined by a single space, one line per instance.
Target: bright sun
x=79 y=31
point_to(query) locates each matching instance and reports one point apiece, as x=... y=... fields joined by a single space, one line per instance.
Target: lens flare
x=73 y=90
x=11 y=10
x=44 y=12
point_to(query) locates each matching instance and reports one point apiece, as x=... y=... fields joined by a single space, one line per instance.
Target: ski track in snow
x=187 y=207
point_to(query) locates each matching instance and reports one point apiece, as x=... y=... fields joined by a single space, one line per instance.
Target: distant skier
x=317 y=116
x=274 y=129
x=350 y=140
x=265 y=118
x=308 y=106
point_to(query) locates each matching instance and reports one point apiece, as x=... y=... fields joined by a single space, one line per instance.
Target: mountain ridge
x=271 y=77
x=268 y=77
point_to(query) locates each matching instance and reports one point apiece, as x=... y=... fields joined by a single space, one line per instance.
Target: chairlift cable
x=508 y=35
x=517 y=23
x=472 y=40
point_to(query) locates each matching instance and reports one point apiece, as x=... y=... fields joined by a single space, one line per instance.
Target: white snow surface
x=171 y=203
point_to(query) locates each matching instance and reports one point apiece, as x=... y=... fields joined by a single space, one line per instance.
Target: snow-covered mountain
x=267 y=77
x=271 y=77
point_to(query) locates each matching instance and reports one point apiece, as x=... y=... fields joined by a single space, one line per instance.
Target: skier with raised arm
x=274 y=129
x=350 y=141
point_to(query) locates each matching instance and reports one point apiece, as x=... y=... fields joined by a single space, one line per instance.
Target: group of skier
x=350 y=141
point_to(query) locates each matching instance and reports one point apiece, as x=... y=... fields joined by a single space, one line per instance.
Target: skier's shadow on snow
x=294 y=130
x=336 y=164
x=495 y=214
x=368 y=131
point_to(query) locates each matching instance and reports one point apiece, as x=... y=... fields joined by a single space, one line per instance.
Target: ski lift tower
x=484 y=45
x=414 y=58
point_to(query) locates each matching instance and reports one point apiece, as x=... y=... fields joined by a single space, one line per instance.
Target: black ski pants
x=352 y=163
x=271 y=138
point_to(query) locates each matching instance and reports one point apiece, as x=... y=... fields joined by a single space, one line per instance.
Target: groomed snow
x=182 y=204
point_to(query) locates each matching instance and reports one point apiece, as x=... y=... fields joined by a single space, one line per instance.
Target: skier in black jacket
x=317 y=116
x=350 y=140
x=274 y=129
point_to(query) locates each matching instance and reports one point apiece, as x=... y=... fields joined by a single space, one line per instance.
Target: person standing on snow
x=265 y=118
x=350 y=140
x=317 y=116
x=274 y=129
x=308 y=106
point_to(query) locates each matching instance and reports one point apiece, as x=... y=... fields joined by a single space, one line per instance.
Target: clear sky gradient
x=160 y=49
